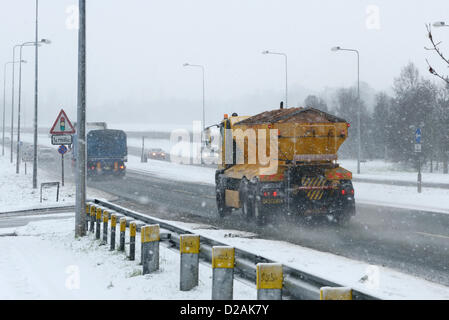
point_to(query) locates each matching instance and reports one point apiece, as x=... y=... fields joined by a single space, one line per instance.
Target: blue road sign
x=418 y=135
x=62 y=149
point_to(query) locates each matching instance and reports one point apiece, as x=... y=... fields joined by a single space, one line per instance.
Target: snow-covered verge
x=45 y=261
x=382 y=170
x=17 y=193
x=431 y=199
x=378 y=281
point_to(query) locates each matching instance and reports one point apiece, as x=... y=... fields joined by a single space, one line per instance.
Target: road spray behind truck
x=302 y=176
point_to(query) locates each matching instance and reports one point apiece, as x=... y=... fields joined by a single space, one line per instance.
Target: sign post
x=62 y=150
x=62 y=131
x=418 y=152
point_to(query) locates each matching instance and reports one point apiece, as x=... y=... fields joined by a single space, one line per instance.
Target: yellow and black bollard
x=223 y=259
x=113 y=226
x=98 y=223
x=122 y=234
x=105 y=226
x=87 y=215
x=335 y=293
x=132 y=241
x=150 y=237
x=269 y=278
x=93 y=211
x=189 y=245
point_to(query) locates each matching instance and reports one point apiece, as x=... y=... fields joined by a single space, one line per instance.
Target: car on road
x=157 y=153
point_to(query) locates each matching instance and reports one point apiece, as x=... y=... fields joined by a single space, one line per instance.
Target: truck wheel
x=223 y=210
x=259 y=212
x=247 y=207
x=342 y=218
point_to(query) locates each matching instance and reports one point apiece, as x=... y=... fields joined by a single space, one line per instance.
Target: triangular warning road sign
x=62 y=125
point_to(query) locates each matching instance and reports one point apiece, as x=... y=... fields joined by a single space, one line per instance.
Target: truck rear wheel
x=259 y=212
x=342 y=218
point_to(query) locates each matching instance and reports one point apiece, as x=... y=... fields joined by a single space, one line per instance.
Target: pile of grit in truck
x=284 y=161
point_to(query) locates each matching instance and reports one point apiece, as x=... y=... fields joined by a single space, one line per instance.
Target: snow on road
x=45 y=261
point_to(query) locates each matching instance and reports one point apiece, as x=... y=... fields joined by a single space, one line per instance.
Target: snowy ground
x=431 y=199
x=16 y=192
x=44 y=261
x=382 y=170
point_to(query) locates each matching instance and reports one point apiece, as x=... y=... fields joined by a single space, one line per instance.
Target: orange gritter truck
x=284 y=161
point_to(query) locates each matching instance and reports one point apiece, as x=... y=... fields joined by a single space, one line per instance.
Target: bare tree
x=435 y=47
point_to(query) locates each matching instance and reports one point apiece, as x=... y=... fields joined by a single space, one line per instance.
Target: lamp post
x=359 y=147
x=44 y=41
x=286 y=72
x=80 y=176
x=4 y=102
x=204 y=112
x=12 y=98
x=36 y=95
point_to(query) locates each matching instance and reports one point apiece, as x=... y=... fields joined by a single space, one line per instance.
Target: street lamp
x=4 y=102
x=440 y=24
x=43 y=41
x=359 y=148
x=204 y=116
x=12 y=98
x=286 y=74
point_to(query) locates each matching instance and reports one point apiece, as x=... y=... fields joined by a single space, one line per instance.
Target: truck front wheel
x=244 y=195
x=223 y=210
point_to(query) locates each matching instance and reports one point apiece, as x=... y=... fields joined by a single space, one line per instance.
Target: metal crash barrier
x=273 y=281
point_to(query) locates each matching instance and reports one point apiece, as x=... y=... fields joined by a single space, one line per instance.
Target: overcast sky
x=136 y=49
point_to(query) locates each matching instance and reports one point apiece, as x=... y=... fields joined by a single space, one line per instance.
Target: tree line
x=388 y=132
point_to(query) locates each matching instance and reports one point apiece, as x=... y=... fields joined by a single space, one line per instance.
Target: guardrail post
x=98 y=226
x=223 y=259
x=150 y=237
x=122 y=234
x=113 y=225
x=105 y=226
x=93 y=210
x=87 y=215
x=269 y=281
x=189 y=245
x=132 y=241
x=335 y=293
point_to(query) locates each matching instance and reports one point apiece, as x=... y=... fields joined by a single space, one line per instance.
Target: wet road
x=411 y=241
